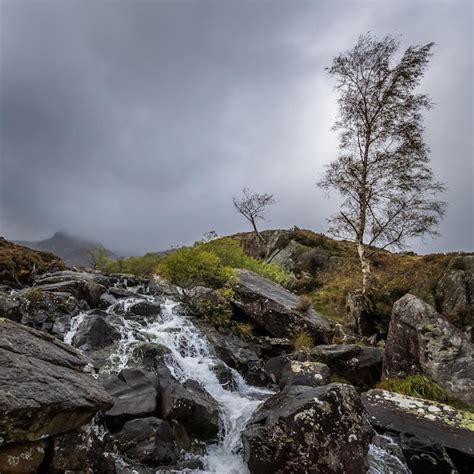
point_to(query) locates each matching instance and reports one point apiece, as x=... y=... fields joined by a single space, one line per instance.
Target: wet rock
x=273 y=307
x=147 y=440
x=225 y=376
x=360 y=365
x=106 y=300
x=145 y=308
x=70 y=275
x=43 y=387
x=274 y=367
x=80 y=451
x=386 y=455
x=121 y=292
x=308 y=429
x=22 y=457
x=94 y=333
x=311 y=374
x=427 y=423
x=422 y=340
x=190 y=405
x=134 y=396
x=149 y=356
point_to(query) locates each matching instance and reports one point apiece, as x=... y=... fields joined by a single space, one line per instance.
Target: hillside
x=73 y=250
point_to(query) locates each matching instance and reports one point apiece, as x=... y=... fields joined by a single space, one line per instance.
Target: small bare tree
x=382 y=172
x=252 y=207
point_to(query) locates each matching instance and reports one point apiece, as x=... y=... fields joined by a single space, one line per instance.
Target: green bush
x=303 y=342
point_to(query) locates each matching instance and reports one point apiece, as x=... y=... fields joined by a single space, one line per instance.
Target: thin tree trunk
x=365 y=266
x=257 y=233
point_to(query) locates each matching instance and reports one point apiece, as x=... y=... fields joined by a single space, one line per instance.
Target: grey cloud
x=134 y=123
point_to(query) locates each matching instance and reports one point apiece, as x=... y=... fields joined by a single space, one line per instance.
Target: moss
x=303 y=342
x=34 y=295
x=420 y=386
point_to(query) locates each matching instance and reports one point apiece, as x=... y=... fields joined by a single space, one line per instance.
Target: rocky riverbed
x=115 y=374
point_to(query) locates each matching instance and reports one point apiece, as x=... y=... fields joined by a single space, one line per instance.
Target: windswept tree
x=253 y=207
x=382 y=172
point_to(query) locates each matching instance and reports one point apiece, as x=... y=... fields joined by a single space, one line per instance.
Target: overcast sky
x=135 y=122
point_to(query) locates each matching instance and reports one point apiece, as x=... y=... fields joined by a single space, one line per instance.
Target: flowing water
x=192 y=357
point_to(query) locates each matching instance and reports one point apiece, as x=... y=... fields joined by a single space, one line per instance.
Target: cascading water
x=191 y=357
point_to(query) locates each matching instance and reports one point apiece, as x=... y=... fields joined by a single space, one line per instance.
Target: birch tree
x=383 y=174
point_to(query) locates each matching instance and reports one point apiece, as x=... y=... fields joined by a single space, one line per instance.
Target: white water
x=191 y=357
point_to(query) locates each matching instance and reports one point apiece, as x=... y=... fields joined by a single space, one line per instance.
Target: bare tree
x=382 y=171
x=252 y=207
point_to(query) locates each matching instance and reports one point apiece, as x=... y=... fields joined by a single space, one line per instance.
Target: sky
x=134 y=123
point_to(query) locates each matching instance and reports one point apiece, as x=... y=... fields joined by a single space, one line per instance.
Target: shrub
x=194 y=266
x=303 y=341
x=304 y=304
x=34 y=295
x=244 y=329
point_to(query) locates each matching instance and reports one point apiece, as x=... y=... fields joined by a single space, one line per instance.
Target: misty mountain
x=73 y=250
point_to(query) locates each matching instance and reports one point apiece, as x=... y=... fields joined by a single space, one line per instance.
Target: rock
x=360 y=365
x=274 y=367
x=430 y=423
x=308 y=429
x=80 y=451
x=225 y=376
x=10 y=307
x=147 y=440
x=145 y=308
x=93 y=333
x=296 y=258
x=422 y=340
x=191 y=406
x=386 y=455
x=360 y=314
x=44 y=389
x=149 y=356
x=121 y=292
x=22 y=457
x=106 y=300
x=273 y=308
x=134 y=395
x=455 y=292
x=70 y=275
x=312 y=374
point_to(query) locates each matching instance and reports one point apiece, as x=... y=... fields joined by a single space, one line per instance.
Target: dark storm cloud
x=134 y=123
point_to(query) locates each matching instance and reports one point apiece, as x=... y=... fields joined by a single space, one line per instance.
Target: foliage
x=98 y=258
x=420 y=386
x=143 y=267
x=34 y=295
x=303 y=341
x=383 y=172
x=244 y=329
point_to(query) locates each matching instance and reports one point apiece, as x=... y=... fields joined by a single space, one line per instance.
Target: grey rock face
x=10 y=307
x=425 y=423
x=308 y=429
x=422 y=340
x=273 y=308
x=145 y=309
x=311 y=374
x=147 y=440
x=134 y=395
x=190 y=405
x=94 y=333
x=22 y=457
x=43 y=387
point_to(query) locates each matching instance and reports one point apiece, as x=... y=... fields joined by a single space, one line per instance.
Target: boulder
x=360 y=365
x=386 y=455
x=190 y=405
x=311 y=374
x=296 y=258
x=147 y=440
x=80 y=451
x=455 y=293
x=22 y=457
x=424 y=425
x=308 y=429
x=10 y=307
x=422 y=340
x=273 y=307
x=226 y=377
x=134 y=395
x=144 y=308
x=360 y=313
x=44 y=387
x=93 y=333
x=149 y=356
x=70 y=275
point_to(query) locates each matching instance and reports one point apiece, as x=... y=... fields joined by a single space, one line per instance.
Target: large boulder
x=11 y=307
x=296 y=257
x=423 y=426
x=134 y=396
x=80 y=451
x=147 y=440
x=274 y=308
x=190 y=405
x=94 y=332
x=422 y=340
x=22 y=457
x=455 y=292
x=308 y=429
x=44 y=387
x=360 y=365
x=312 y=374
